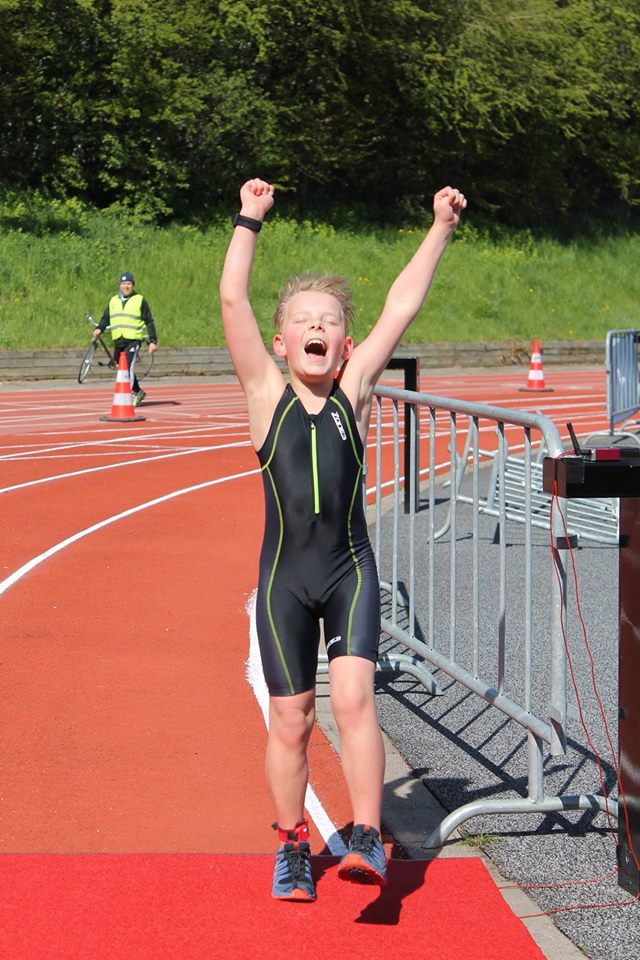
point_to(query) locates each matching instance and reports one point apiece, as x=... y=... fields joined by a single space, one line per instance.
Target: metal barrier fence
x=594 y=519
x=622 y=366
x=485 y=648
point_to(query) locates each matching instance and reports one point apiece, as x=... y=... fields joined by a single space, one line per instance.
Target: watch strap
x=239 y=221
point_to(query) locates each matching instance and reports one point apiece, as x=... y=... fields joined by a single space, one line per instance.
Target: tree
x=44 y=86
x=162 y=107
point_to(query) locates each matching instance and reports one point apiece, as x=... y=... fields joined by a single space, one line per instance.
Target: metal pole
x=411 y=367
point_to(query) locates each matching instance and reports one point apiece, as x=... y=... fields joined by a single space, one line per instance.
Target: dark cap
x=127 y=276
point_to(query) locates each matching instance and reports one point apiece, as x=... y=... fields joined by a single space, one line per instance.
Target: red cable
x=581 y=906
x=562 y=883
x=568 y=883
x=595 y=688
x=568 y=654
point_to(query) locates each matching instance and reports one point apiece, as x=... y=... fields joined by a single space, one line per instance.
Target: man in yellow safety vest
x=128 y=317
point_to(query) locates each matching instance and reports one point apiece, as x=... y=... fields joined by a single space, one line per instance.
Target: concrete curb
x=215 y=361
x=410 y=811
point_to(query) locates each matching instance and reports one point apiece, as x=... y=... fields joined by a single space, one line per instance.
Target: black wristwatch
x=239 y=221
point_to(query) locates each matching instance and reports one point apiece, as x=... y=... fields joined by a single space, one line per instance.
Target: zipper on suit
x=314 y=469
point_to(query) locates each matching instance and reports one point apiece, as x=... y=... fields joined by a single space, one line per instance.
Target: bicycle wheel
x=144 y=364
x=85 y=366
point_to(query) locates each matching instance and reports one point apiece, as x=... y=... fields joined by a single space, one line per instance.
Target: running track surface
x=129 y=559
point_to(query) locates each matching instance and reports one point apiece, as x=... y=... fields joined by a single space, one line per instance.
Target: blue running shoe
x=365 y=861
x=292 y=878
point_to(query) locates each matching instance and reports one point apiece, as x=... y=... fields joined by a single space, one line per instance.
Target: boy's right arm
x=253 y=364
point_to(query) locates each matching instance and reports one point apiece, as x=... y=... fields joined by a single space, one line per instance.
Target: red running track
x=129 y=556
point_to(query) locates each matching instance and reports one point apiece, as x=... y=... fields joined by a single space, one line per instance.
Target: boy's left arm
x=408 y=292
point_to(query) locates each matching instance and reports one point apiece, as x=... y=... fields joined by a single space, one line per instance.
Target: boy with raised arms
x=316 y=561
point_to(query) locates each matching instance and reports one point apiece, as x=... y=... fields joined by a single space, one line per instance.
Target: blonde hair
x=322 y=282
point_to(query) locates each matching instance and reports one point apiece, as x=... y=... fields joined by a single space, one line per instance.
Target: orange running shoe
x=292 y=878
x=365 y=861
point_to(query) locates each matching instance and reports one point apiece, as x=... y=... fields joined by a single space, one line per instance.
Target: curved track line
x=192 y=433
x=126 y=463
x=256 y=680
x=35 y=561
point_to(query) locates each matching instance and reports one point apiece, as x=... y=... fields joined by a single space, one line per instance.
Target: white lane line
x=34 y=413
x=125 y=463
x=111 y=454
x=254 y=671
x=256 y=680
x=182 y=434
x=201 y=411
x=89 y=449
x=58 y=547
x=24 y=421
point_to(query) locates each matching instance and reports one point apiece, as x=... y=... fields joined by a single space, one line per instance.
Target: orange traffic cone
x=122 y=408
x=535 y=381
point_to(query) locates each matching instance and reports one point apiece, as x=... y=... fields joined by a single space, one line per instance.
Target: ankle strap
x=297 y=833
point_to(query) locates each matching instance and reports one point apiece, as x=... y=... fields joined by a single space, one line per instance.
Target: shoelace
x=364 y=842
x=296 y=862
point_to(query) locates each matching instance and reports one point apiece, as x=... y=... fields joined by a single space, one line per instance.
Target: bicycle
x=144 y=363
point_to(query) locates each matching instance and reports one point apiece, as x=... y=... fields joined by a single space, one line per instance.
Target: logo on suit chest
x=338 y=422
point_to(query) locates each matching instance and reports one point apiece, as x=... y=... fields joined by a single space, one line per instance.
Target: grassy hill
x=487 y=288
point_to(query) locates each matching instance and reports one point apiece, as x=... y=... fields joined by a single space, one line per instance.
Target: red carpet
x=201 y=907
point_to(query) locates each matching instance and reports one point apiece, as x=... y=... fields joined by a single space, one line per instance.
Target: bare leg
x=290 y=724
x=361 y=747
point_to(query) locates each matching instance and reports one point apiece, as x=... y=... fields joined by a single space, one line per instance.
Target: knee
x=291 y=727
x=352 y=701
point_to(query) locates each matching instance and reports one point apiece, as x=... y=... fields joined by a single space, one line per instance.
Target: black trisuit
x=316 y=559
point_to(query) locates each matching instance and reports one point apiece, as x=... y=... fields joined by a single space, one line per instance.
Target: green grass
x=513 y=288
x=478 y=841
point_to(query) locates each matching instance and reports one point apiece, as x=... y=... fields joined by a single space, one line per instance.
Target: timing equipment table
x=616 y=473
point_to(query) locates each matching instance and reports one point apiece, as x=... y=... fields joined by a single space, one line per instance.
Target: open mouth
x=317 y=348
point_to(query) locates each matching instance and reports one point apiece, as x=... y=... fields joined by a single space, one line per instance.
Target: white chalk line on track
x=254 y=672
x=204 y=424
x=99 y=449
x=159 y=442
x=126 y=463
x=191 y=451
x=150 y=459
x=24 y=421
x=18 y=574
x=176 y=453
x=160 y=410
x=42 y=422
x=27 y=450
x=88 y=404
x=106 y=454
x=255 y=677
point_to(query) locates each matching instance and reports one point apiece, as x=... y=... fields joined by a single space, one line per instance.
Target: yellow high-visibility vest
x=125 y=319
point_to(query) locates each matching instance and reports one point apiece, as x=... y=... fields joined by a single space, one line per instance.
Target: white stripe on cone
x=535 y=380
x=122 y=405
